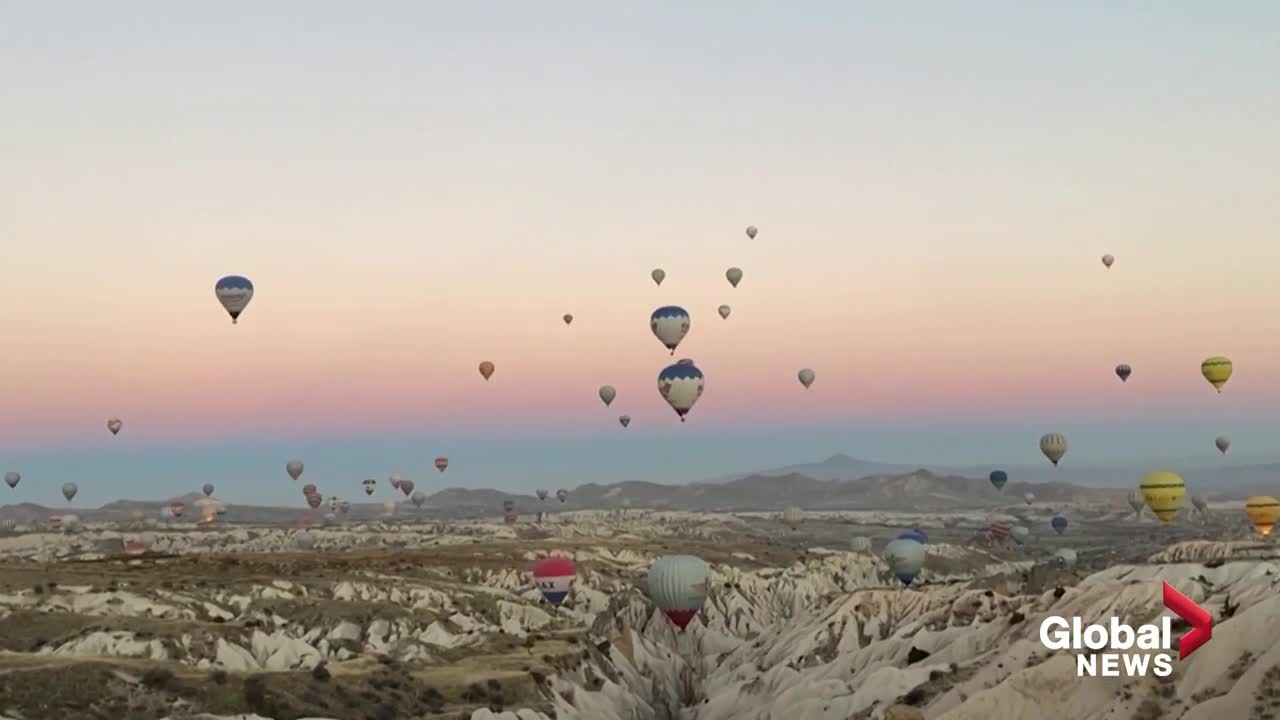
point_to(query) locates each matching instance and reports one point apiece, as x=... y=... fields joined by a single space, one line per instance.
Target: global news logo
x=1101 y=649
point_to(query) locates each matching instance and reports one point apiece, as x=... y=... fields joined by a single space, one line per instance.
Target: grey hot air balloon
x=678 y=587
x=12 y=479
x=1200 y=504
x=1107 y=260
x=1020 y=534
x=418 y=498
x=905 y=558
x=1029 y=498
x=724 y=311
x=607 y=394
x=1136 y=501
x=543 y=494
x=486 y=369
x=1223 y=443
x=562 y=494
x=658 y=275
x=1065 y=558
x=1123 y=372
x=806 y=377
x=234 y=293
x=751 y=231
x=344 y=507
x=69 y=490
x=1054 y=446
x=733 y=275
x=294 y=468
x=207 y=489
x=369 y=485
x=305 y=540
x=624 y=420
x=114 y=424
x=792 y=517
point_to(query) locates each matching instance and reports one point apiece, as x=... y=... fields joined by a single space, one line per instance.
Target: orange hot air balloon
x=1263 y=512
x=442 y=463
x=486 y=369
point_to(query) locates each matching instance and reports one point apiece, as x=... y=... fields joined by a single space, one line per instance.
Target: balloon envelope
x=442 y=463
x=724 y=311
x=658 y=275
x=486 y=369
x=69 y=490
x=1217 y=370
x=1223 y=443
x=568 y=318
x=234 y=292
x=905 y=558
x=1054 y=446
x=553 y=576
x=678 y=587
x=681 y=385
x=733 y=275
x=624 y=420
x=999 y=478
x=114 y=425
x=1123 y=372
x=12 y=479
x=914 y=534
x=1066 y=557
x=751 y=231
x=1163 y=492
x=1059 y=523
x=1107 y=260
x=1263 y=511
x=607 y=394
x=806 y=377
x=294 y=468
x=670 y=323
x=793 y=517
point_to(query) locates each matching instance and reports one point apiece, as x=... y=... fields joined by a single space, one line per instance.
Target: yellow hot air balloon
x=1217 y=370
x=1263 y=511
x=1163 y=492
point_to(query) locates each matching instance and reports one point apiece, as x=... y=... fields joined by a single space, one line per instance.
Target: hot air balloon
x=486 y=369
x=418 y=498
x=905 y=558
x=724 y=311
x=670 y=324
x=406 y=487
x=542 y=494
x=1136 y=502
x=678 y=587
x=562 y=494
x=69 y=490
x=70 y=522
x=999 y=530
x=1217 y=370
x=1163 y=492
x=207 y=489
x=1223 y=443
x=344 y=507
x=442 y=463
x=1029 y=498
x=305 y=540
x=314 y=501
x=1019 y=533
x=1107 y=260
x=294 y=468
x=658 y=275
x=553 y=577
x=369 y=486
x=332 y=502
x=1065 y=558
x=1054 y=446
x=607 y=394
x=12 y=479
x=1263 y=511
x=309 y=489
x=681 y=385
x=394 y=480
x=999 y=478
x=568 y=318
x=389 y=507
x=733 y=275
x=1059 y=524
x=1200 y=504
x=751 y=231
x=234 y=292
x=135 y=546
x=624 y=420
x=792 y=517
x=1123 y=372
x=914 y=534
x=176 y=508
x=55 y=522
x=508 y=505
x=114 y=424
x=510 y=518
x=806 y=377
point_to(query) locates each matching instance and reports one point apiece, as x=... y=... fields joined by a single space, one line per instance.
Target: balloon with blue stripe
x=681 y=385
x=914 y=534
x=670 y=323
x=234 y=292
x=553 y=576
x=905 y=558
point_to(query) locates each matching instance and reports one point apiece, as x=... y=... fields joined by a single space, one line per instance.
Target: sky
x=415 y=187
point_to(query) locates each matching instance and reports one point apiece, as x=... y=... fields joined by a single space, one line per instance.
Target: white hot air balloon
x=658 y=275
x=1065 y=558
x=751 y=231
x=12 y=479
x=724 y=311
x=733 y=275
x=234 y=292
x=294 y=468
x=681 y=385
x=792 y=517
x=806 y=377
x=905 y=558
x=1223 y=443
x=389 y=507
x=69 y=490
x=1054 y=446
x=1020 y=533
x=1029 y=498
x=670 y=323
x=114 y=424
x=607 y=394
x=369 y=486
x=678 y=587
x=418 y=498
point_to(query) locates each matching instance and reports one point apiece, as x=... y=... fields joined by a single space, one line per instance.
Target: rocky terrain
x=412 y=620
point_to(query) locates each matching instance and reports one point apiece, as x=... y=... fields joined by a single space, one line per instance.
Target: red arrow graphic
x=1200 y=619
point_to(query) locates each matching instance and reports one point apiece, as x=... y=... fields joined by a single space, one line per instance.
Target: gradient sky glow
x=415 y=187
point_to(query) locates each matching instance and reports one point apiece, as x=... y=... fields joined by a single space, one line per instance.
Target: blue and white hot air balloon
x=681 y=385
x=234 y=292
x=905 y=558
x=915 y=534
x=1059 y=523
x=670 y=324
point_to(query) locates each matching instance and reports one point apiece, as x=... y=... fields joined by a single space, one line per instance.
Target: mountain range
x=838 y=483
